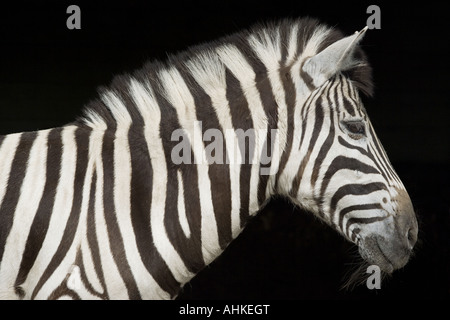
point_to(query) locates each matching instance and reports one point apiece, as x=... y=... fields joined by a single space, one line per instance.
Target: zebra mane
x=270 y=46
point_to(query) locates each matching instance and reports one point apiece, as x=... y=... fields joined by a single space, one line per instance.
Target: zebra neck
x=209 y=204
x=226 y=197
x=197 y=208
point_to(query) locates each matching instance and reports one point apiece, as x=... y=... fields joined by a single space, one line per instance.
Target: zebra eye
x=356 y=129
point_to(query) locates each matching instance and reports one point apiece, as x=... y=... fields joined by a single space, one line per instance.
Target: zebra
x=99 y=209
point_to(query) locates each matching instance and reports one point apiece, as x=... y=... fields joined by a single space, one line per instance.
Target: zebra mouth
x=390 y=265
x=372 y=252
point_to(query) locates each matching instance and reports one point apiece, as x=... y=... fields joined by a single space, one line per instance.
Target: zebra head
x=343 y=174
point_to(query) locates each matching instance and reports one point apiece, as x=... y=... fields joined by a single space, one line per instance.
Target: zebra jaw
x=389 y=243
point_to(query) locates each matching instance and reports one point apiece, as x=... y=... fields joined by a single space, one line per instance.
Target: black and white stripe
x=98 y=209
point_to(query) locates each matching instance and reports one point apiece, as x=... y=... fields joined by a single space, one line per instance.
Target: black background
x=47 y=74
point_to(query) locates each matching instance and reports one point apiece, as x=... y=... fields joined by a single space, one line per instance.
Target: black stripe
x=353 y=189
x=381 y=154
x=340 y=163
x=290 y=96
x=120 y=86
x=189 y=249
x=368 y=154
x=82 y=140
x=390 y=169
x=241 y=119
x=193 y=214
x=318 y=123
x=309 y=103
x=378 y=163
x=345 y=93
x=103 y=111
x=326 y=145
x=83 y=276
x=285 y=32
x=140 y=200
x=115 y=237
x=39 y=226
x=358 y=207
x=63 y=290
x=269 y=104
x=92 y=239
x=271 y=109
x=189 y=172
x=12 y=194
x=266 y=156
x=350 y=146
x=219 y=173
x=307 y=79
x=363 y=221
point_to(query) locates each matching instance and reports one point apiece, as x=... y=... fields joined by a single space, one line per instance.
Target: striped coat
x=100 y=208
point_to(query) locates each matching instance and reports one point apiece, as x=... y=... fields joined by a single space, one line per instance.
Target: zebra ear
x=334 y=58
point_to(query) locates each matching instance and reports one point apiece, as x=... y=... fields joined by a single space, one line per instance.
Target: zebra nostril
x=412 y=237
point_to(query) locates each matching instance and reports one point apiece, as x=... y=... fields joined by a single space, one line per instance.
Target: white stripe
x=209 y=72
x=352 y=199
x=267 y=46
x=146 y=103
x=181 y=207
x=238 y=65
x=94 y=120
x=269 y=52
x=75 y=283
x=27 y=205
x=65 y=268
x=95 y=148
x=302 y=94
x=305 y=183
x=312 y=46
x=118 y=109
x=115 y=286
x=292 y=44
x=122 y=196
x=7 y=153
x=178 y=94
x=62 y=205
